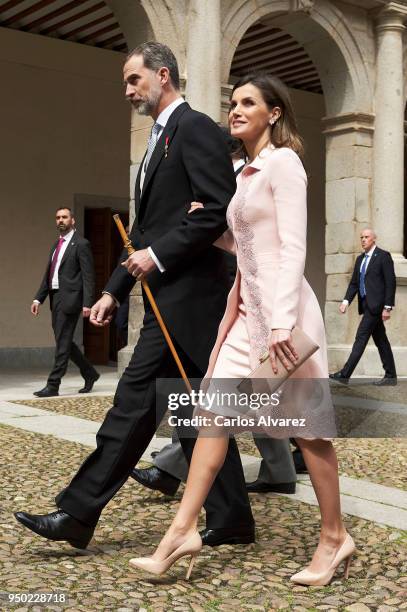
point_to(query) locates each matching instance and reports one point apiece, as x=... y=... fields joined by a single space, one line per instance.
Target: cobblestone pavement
x=34 y=467
x=380 y=460
x=360 y=388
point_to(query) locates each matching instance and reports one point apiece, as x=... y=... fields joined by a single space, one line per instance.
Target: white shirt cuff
x=155 y=259
x=345 y=302
x=36 y=302
x=116 y=301
x=392 y=307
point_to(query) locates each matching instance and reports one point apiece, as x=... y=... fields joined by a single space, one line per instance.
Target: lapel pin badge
x=167 y=142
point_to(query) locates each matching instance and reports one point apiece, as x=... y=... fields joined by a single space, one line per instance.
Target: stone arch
x=168 y=25
x=325 y=34
x=150 y=20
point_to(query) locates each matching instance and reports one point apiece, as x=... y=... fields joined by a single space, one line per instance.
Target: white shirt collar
x=68 y=236
x=163 y=117
x=162 y=120
x=238 y=163
x=370 y=253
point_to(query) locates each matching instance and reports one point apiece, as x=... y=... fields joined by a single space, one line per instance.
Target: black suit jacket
x=76 y=276
x=380 y=282
x=191 y=293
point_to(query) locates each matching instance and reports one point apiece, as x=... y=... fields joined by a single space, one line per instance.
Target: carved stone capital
x=391 y=17
x=348 y=122
x=304 y=6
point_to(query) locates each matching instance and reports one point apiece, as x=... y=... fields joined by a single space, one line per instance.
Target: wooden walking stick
x=130 y=250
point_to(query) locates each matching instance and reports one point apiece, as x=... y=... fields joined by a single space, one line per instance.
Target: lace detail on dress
x=244 y=237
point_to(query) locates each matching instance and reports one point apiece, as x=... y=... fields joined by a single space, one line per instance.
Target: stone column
x=226 y=92
x=349 y=140
x=203 y=64
x=388 y=159
x=140 y=130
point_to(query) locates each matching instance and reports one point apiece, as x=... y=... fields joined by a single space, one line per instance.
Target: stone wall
x=65 y=131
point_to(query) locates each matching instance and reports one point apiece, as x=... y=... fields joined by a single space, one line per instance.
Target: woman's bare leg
x=322 y=464
x=207 y=459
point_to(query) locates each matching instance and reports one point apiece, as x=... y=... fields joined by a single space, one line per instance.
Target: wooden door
x=101 y=344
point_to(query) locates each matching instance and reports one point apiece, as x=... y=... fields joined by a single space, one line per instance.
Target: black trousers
x=64 y=327
x=371 y=325
x=128 y=429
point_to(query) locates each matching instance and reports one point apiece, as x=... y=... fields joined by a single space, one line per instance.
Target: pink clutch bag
x=263 y=380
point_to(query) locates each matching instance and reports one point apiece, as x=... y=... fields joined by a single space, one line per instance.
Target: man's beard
x=149 y=104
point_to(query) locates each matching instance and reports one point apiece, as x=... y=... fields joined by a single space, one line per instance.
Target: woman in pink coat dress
x=267 y=230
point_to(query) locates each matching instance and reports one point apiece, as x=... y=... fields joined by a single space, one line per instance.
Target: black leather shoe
x=228 y=535
x=157 y=480
x=258 y=486
x=47 y=392
x=387 y=381
x=339 y=377
x=57 y=526
x=89 y=382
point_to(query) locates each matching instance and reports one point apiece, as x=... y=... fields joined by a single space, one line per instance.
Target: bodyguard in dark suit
x=69 y=282
x=374 y=282
x=186 y=161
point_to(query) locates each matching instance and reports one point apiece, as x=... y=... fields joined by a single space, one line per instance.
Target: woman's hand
x=281 y=346
x=195 y=206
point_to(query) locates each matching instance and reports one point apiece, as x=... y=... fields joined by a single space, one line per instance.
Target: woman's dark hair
x=284 y=132
x=233 y=144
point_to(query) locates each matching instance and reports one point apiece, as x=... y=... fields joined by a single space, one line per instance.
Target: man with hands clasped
x=374 y=282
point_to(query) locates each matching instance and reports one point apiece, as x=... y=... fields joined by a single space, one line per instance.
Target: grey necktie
x=152 y=141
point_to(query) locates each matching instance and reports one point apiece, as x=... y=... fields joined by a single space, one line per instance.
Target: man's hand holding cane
x=139 y=264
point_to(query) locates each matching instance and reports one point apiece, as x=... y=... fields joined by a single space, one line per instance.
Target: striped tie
x=152 y=141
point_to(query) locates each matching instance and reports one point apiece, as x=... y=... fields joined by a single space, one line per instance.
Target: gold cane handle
x=126 y=240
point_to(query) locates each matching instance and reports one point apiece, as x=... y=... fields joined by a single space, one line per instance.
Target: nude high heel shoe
x=344 y=553
x=191 y=547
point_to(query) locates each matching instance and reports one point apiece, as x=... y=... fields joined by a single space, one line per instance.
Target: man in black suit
x=69 y=281
x=186 y=161
x=374 y=282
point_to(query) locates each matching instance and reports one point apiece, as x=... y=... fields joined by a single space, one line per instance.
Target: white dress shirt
x=67 y=239
x=238 y=163
x=369 y=257
x=162 y=120
x=55 y=280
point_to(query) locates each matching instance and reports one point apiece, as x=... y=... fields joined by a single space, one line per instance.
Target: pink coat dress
x=267 y=219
